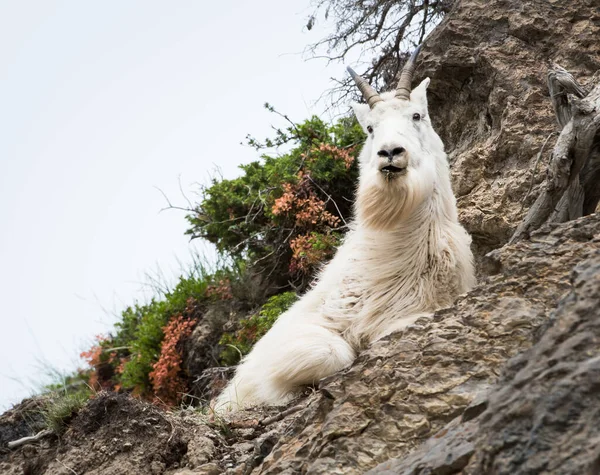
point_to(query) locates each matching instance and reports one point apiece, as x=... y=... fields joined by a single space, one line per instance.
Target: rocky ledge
x=505 y=381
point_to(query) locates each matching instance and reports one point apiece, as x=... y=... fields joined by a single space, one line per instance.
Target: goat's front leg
x=287 y=357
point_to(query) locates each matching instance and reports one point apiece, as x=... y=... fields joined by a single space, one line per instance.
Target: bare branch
x=561 y=83
x=379 y=31
x=170 y=205
x=30 y=439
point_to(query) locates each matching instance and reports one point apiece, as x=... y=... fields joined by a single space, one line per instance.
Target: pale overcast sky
x=100 y=103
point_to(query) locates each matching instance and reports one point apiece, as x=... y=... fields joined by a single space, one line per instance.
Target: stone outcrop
x=505 y=381
x=543 y=415
x=405 y=389
x=489 y=100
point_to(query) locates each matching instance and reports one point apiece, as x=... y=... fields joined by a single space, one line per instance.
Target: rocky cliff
x=406 y=389
x=542 y=416
x=505 y=381
x=489 y=100
x=440 y=397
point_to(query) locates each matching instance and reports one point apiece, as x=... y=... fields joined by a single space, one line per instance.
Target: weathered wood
x=561 y=83
x=572 y=182
x=556 y=182
x=590 y=180
x=29 y=439
x=570 y=205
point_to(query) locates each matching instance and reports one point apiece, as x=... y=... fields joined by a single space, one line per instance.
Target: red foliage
x=95 y=357
x=300 y=202
x=284 y=203
x=339 y=153
x=221 y=290
x=310 y=250
x=167 y=383
x=92 y=356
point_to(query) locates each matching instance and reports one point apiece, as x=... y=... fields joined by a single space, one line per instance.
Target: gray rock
x=489 y=101
x=543 y=415
x=200 y=450
x=408 y=387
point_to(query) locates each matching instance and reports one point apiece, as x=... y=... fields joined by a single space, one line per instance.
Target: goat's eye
x=416 y=116
x=369 y=129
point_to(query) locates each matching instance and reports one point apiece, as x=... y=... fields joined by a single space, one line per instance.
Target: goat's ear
x=419 y=93
x=361 y=111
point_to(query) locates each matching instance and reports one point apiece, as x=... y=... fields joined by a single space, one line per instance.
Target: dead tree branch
x=380 y=32
x=572 y=178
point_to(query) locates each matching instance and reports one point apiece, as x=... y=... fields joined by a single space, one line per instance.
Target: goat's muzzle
x=394 y=168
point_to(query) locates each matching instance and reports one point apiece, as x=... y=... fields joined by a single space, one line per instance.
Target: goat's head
x=399 y=160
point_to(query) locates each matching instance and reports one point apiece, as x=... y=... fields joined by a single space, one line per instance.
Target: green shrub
x=275 y=224
x=141 y=330
x=308 y=190
x=252 y=329
x=144 y=347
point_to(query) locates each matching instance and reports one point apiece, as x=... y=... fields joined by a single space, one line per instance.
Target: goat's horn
x=368 y=92
x=404 y=83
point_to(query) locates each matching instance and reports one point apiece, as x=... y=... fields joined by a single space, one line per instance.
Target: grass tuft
x=62 y=407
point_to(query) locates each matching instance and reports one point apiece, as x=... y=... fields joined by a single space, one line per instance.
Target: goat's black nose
x=391 y=153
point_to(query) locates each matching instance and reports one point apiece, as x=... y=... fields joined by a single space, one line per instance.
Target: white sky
x=101 y=102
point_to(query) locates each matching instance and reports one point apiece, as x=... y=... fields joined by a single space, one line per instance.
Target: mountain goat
x=405 y=255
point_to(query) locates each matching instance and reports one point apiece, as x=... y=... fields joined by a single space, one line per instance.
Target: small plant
x=309 y=251
x=62 y=406
x=144 y=331
x=220 y=290
x=99 y=360
x=252 y=329
x=300 y=203
x=167 y=383
x=140 y=355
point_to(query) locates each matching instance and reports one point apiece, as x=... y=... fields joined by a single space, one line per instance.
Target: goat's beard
x=384 y=203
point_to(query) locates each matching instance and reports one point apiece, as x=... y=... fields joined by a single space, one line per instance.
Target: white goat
x=405 y=256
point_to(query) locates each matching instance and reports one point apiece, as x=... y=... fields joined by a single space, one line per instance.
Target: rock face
x=543 y=416
x=436 y=383
x=404 y=389
x=489 y=99
x=505 y=381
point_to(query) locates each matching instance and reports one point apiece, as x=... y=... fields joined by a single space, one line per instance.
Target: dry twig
x=29 y=439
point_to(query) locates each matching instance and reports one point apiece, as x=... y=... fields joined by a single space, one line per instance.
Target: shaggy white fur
x=405 y=256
